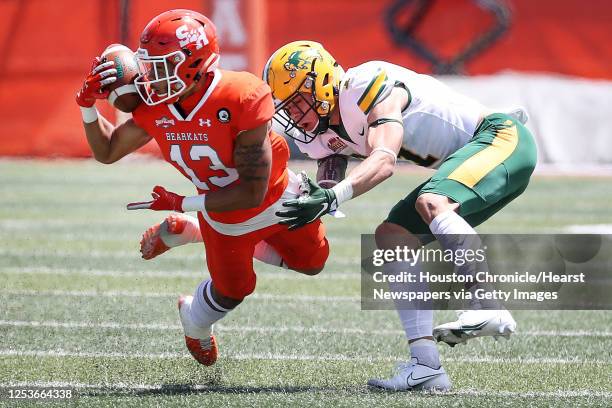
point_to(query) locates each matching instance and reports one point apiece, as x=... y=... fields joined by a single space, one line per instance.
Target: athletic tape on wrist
x=90 y=115
x=194 y=203
x=343 y=191
x=386 y=151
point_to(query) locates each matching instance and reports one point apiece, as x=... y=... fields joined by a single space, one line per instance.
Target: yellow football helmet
x=304 y=70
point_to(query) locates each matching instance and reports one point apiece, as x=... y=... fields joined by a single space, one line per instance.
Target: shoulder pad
x=367 y=85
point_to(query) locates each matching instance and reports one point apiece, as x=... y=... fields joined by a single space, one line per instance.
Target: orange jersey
x=200 y=143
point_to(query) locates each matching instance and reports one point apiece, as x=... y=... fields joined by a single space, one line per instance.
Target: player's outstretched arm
x=107 y=142
x=384 y=142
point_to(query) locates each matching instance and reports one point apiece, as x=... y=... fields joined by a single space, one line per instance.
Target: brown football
x=123 y=94
x=331 y=170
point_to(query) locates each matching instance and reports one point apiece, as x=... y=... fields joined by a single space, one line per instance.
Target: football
x=123 y=94
x=331 y=170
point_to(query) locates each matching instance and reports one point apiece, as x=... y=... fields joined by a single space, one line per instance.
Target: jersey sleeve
x=257 y=107
x=138 y=115
x=368 y=85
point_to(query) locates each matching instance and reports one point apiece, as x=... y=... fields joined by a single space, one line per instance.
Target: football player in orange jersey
x=213 y=126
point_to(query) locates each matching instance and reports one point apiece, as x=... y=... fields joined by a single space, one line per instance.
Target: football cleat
x=200 y=342
x=413 y=376
x=151 y=244
x=475 y=323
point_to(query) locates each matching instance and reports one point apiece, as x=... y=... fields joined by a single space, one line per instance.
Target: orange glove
x=100 y=75
x=163 y=200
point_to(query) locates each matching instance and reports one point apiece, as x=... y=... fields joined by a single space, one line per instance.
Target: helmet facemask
x=159 y=81
x=304 y=77
x=301 y=102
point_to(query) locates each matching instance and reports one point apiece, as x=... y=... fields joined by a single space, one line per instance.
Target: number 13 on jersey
x=199 y=152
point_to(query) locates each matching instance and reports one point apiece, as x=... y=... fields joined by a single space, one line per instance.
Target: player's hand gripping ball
x=122 y=92
x=101 y=74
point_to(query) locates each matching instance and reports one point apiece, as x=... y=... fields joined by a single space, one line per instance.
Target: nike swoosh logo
x=473 y=327
x=325 y=205
x=417 y=381
x=362 y=132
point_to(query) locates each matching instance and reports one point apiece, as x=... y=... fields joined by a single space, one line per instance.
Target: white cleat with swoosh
x=475 y=323
x=413 y=376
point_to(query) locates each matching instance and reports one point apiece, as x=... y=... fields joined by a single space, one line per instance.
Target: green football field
x=80 y=308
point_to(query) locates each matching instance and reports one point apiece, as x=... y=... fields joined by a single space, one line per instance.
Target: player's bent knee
x=312 y=263
x=430 y=205
x=426 y=204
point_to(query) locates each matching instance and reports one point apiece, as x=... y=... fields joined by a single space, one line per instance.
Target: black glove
x=308 y=208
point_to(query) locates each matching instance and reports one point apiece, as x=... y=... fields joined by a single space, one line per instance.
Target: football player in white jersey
x=380 y=111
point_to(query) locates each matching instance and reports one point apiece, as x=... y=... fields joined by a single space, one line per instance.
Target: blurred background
x=551 y=56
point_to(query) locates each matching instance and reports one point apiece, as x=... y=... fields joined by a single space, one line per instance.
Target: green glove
x=310 y=207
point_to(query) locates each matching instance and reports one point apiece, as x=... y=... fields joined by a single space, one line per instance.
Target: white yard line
x=263 y=329
x=135 y=387
x=286 y=357
x=112 y=229
x=174 y=327
x=119 y=293
x=134 y=255
x=91 y=253
x=78 y=234
x=279 y=275
x=42 y=224
x=89 y=325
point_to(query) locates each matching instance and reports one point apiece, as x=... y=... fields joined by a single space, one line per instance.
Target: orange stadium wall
x=47 y=46
x=562 y=36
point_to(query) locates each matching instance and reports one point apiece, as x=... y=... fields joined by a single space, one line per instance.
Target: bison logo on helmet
x=187 y=36
x=296 y=61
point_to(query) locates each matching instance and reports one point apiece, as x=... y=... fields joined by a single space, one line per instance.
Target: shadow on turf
x=179 y=389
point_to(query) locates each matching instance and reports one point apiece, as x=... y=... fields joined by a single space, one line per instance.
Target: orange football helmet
x=177 y=48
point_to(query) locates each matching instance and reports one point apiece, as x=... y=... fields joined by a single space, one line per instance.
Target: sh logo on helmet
x=186 y=36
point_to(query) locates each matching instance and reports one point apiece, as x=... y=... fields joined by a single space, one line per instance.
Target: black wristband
x=381 y=121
